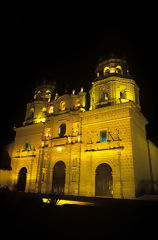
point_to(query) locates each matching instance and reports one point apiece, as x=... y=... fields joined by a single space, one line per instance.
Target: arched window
x=106 y=70
x=62 y=105
x=50 y=109
x=62 y=130
x=48 y=91
x=48 y=94
x=119 y=69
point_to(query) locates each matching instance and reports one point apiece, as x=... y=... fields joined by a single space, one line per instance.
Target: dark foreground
x=26 y=214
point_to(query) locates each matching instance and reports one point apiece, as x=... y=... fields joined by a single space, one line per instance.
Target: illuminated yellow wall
x=113 y=86
x=5 y=178
x=114 y=108
x=116 y=153
x=80 y=161
x=140 y=152
x=82 y=152
x=153 y=149
x=32 y=135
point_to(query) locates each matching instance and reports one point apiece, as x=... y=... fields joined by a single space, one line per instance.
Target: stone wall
x=153 y=150
x=5 y=178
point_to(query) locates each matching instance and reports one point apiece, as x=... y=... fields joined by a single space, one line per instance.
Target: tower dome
x=44 y=91
x=112 y=67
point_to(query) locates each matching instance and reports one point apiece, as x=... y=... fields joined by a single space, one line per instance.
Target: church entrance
x=103 y=180
x=21 y=184
x=58 y=183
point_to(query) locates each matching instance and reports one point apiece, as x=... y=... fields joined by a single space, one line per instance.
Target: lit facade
x=64 y=148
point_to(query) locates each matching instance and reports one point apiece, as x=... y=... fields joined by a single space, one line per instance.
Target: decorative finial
x=56 y=96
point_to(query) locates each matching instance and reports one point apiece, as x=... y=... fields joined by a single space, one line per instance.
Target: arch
x=103 y=180
x=106 y=70
x=22 y=177
x=58 y=181
x=119 y=69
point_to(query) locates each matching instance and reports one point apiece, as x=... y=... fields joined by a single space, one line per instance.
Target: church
x=102 y=151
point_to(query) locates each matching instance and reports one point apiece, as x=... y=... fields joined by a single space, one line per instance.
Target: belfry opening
x=103 y=181
x=58 y=183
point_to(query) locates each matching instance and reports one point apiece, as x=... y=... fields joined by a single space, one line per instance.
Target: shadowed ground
x=26 y=213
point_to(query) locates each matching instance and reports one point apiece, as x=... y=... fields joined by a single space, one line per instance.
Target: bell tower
x=36 y=110
x=113 y=85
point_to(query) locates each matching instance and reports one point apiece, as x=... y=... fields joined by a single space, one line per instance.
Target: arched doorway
x=21 y=184
x=103 y=180
x=58 y=183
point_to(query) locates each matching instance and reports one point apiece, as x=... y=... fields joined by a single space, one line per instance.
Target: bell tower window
x=123 y=94
x=106 y=70
x=119 y=69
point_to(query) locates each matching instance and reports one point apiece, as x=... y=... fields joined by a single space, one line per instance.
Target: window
x=106 y=70
x=119 y=69
x=47 y=133
x=103 y=136
x=62 y=130
x=123 y=94
x=48 y=94
x=77 y=103
x=26 y=147
x=50 y=110
x=106 y=96
x=62 y=105
x=48 y=91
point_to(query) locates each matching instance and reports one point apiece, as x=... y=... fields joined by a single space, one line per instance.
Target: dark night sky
x=66 y=41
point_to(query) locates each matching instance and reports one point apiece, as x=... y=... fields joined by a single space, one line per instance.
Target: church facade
x=66 y=149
